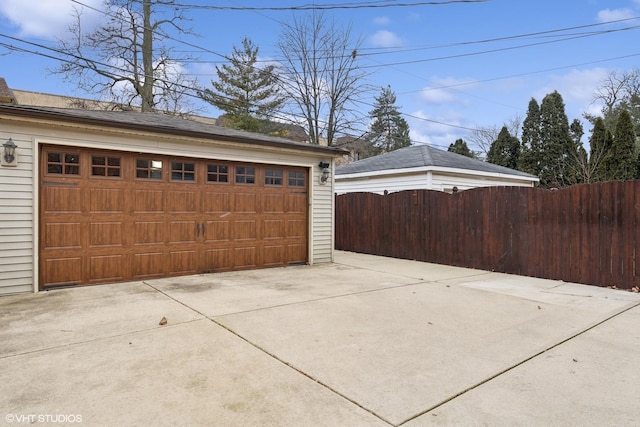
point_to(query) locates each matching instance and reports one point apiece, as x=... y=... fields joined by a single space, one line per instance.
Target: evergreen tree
x=461 y=147
x=248 y=94
x=505 y=150
x=389 y=130
x=582 y=172
x=600 y=143
x=621 y=159
x=530 y=156
x=558 y=160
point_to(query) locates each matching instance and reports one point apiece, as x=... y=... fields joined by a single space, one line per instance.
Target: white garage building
x=103 y=196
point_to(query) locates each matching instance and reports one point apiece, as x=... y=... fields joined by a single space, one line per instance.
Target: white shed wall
x=423 y=180
x=18 y=187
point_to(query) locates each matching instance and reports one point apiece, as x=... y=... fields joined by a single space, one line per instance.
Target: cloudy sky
x=454 y=67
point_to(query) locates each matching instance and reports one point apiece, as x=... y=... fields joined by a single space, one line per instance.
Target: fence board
x=585 y=233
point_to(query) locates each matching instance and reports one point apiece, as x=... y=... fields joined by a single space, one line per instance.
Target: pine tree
x=600 y=143
x=461 y=147
x=530 y=156
x=389 y=130
x=248 y=94
x=505 y=150
x=622 y=158
x=558 y=160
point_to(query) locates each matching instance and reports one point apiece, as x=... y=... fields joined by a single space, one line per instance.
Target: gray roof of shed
x=417 y=156
x=160 y=123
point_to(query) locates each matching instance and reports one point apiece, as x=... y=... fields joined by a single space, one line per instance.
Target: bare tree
x=482 y=138
x=127 y=59
x=616 y=87
x=320 y=74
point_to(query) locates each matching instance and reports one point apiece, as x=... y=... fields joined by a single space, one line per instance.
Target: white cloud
x=431 y=129
x=607 y=15
x=381 y=20
x=47 y=19
x=443 y=90
x=384 y=38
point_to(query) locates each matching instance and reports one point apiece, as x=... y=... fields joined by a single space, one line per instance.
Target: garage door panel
x=245 y=202
x=106 y=200
x=218 y=259
x=182 y=202
x=296 y=228
x=148 y=232
x=150 y=264
x=297 y=253
x=62 y=235
x=274 y=255
x=63 y=271
x=216 y=202
x=217 y=231
x=273 y=203
x=183 y=262
x=183 y=231
x=62 y=199
x=146 y=201
x=245 y=257
x=106 y=234
x=244 y=230
x=297 y=203
x=273 y=229
x=107 y=268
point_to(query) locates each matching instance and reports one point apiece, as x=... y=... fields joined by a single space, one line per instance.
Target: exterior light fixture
x=325 y=172
x=9 y=153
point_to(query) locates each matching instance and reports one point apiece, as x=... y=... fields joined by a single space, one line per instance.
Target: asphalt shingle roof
x=417 y=156
x=159 y=122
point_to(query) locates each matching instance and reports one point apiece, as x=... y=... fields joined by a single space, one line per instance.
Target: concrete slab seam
x=318 y=299
x=522 y=362
x=204 y=316
x=301 y=372
x=481 y=273
x=106 y=337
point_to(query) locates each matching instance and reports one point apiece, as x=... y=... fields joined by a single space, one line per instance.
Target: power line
x=307 y=7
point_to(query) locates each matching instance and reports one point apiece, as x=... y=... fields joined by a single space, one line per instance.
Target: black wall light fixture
x=9 y=152
x=325 y=172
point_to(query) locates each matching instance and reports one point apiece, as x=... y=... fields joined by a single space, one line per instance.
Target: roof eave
x=12 y=110
x=424 y=169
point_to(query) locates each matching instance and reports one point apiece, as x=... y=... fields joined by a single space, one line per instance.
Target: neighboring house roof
x=159 y=122
x=420 y=156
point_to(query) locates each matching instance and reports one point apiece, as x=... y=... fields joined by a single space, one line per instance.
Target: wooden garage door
x=115 y=216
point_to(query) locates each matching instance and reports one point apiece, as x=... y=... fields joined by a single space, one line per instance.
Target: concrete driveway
x=365 y=341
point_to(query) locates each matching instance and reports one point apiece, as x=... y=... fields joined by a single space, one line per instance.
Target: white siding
x=17 y=218
x=378 y=184
x=322 y=215
x=18 y=221
x=440 y=181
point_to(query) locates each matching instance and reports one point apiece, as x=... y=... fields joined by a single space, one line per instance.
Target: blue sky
x=444 y=63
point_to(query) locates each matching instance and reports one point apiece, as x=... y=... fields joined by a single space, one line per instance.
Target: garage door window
x=245 y=175
x=217 y=173
x=296 y=179
x=149 y=169
x=105 y=166
x=273 y=176
x=63 y=163
x=183 y=171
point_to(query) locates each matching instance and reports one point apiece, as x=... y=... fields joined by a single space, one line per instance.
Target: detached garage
x=101 y=196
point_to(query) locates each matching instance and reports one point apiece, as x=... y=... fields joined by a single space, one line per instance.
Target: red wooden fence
x=586 y=233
